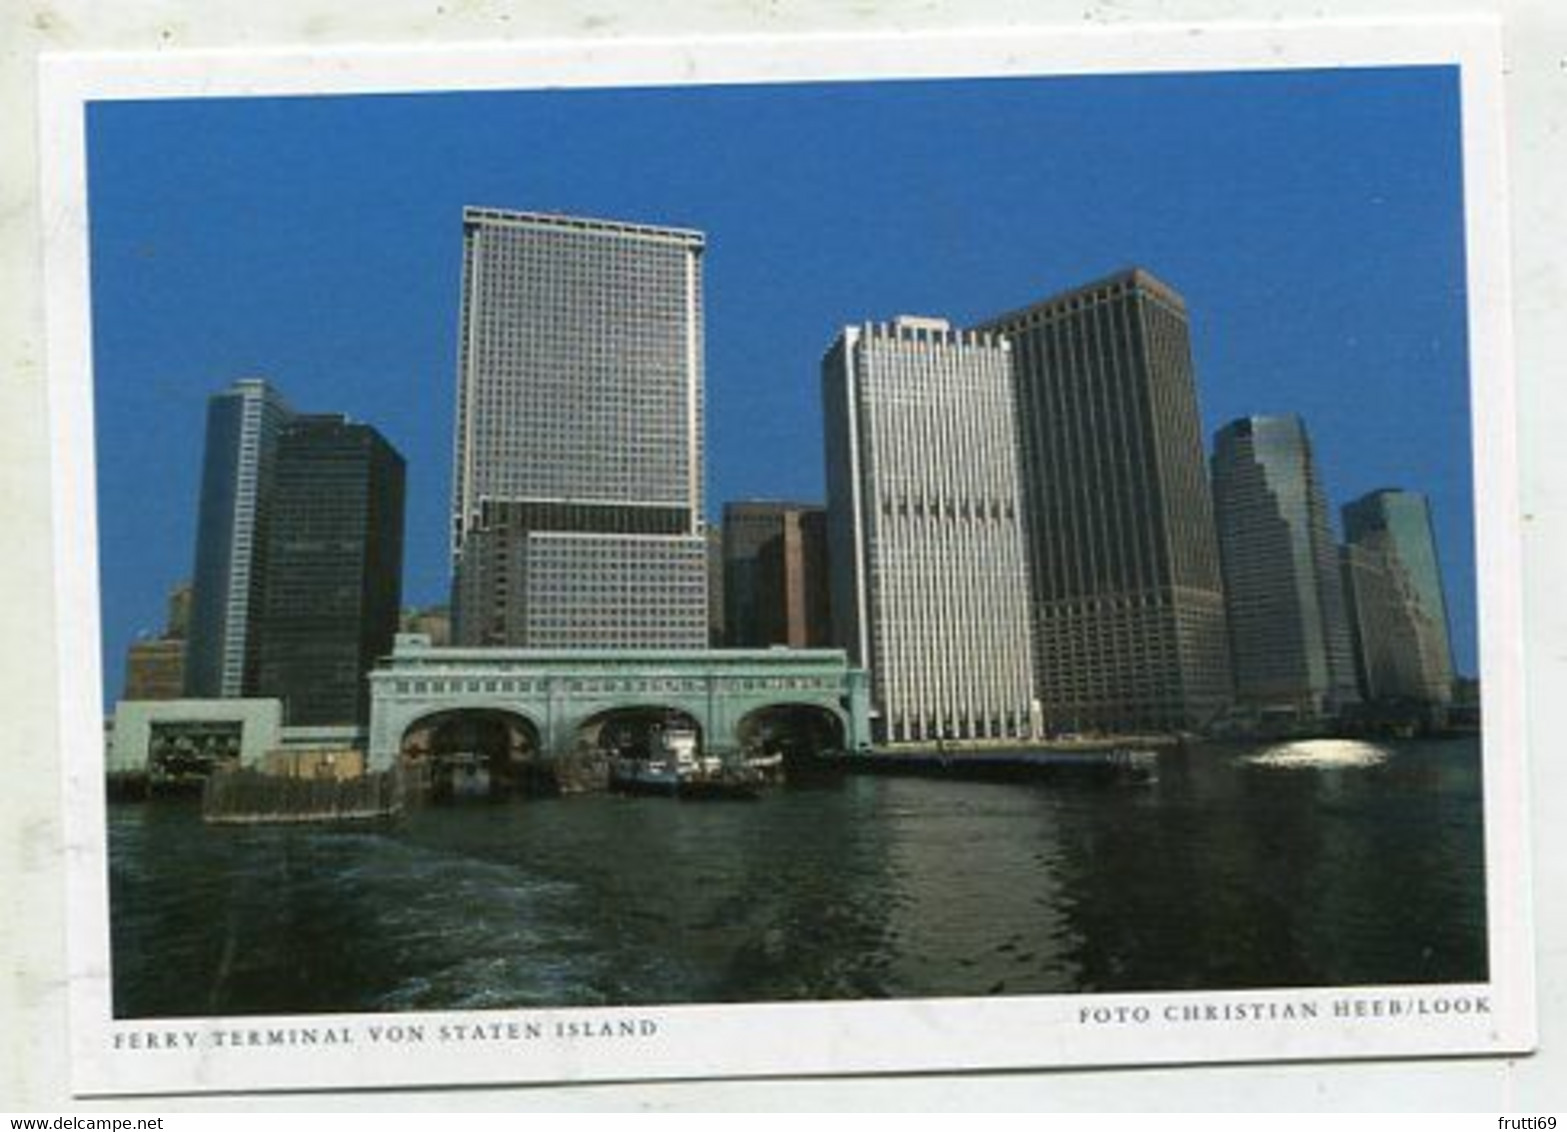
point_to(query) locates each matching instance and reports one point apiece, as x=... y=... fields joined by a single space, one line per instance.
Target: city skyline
x=764 y=435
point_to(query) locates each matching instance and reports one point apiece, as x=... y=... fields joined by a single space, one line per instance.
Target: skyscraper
x=335 y=561
x=154 y=669
x=243 y=423
x=925 y=541
x=1128 y=605
x=433 y=621
x=1394 y=527
x=178 y=623
x=717 y=632
x=577 y=488
x=775 y=574
x=155 y=666
x=1383 y=623
x=1289 y=637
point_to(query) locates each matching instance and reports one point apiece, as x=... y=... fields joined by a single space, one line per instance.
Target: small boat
x=631 y=775
x=658 y=767
x=676 y=769
x=766 y=768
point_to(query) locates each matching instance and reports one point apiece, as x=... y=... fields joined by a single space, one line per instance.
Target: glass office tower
x=243 y=423
x=1290 y=643
x=1393 y=528
x=577 y=485
x=335 y=564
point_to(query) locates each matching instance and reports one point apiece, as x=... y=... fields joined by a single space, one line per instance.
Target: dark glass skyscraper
x=335 y=560
x=243 y=423
x=1128 y=605
x=1290 y=642
x=1392 y=528
x=1383 y=626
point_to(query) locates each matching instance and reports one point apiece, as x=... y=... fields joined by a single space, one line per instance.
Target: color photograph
x=572 y=553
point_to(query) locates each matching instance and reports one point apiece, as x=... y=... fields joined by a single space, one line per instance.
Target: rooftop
x=478 y=214
x=1131 y=278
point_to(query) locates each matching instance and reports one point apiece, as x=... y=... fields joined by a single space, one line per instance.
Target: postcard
x=720 y=557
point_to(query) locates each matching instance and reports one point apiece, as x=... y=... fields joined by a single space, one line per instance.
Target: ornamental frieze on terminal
x=482 y=686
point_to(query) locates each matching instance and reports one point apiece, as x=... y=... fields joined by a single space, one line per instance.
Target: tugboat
x=658 y=768
x=675 y=768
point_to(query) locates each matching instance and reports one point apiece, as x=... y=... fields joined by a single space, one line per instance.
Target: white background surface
x=32 y=1005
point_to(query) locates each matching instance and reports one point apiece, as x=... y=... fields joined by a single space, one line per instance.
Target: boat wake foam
x=1309 y=754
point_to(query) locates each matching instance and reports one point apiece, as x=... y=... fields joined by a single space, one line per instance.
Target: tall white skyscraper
x=577 y=486
x=925 y=541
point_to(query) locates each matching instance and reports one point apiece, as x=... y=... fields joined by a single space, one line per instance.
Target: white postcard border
x=190 y=1055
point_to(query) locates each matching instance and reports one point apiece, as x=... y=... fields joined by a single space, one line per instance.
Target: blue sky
x=1312 y=219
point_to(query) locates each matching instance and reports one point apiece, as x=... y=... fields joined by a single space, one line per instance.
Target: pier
x=1094 y=763
x=249 y=797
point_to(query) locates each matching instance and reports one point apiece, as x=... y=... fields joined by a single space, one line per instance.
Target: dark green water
x=1342 y=865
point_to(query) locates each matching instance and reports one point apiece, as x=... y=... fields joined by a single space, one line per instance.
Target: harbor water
x=1238 y=867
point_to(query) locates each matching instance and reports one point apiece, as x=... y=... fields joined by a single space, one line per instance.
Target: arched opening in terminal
x=477 y=753
x=638 y=732
x=790 y=730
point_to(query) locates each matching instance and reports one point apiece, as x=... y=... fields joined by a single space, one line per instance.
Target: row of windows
x=906 y=729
